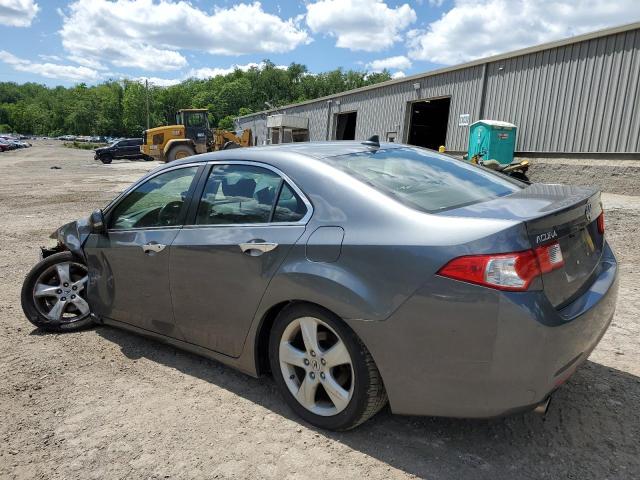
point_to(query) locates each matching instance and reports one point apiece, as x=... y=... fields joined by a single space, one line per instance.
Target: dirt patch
x=622 y=177
x=108 y=404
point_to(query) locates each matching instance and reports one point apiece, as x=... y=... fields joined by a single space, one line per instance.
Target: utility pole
x=146 y=88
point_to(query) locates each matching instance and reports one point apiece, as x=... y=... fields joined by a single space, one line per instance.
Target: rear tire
x=49 y=299
x=329 y=390
x=179 y=152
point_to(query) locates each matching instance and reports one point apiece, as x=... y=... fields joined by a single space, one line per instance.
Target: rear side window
x=290 y=207
x=424 y=180
x=245 y=194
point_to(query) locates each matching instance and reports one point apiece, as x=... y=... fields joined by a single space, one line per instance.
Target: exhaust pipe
x=543 y=407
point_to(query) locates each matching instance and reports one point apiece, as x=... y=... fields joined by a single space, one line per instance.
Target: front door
x=128 y=266
x=247 y=220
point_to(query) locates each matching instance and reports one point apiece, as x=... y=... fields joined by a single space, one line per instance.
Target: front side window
x=424 y=180
x=245 y=194
x=158 y=202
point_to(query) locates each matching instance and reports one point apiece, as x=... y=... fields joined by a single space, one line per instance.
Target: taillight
x=505 y=271
x=549 y=257
x=601 y=222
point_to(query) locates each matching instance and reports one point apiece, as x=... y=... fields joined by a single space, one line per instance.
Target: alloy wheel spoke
x=291 y=355
x=338 y=395
x=56 y=311
x=44 y=290
x=63 y=273
x=81 y=283
x=81 y=304
x=307 y=392
x=309 y=329
x=337 y=355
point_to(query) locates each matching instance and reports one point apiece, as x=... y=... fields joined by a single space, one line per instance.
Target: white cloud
x=208 y=72
x=49 y=70
x=398 y=74
x=86 y=62
x=160 y=82
x=368 y=25
x=436 y=3
x=50 y=58
x=150 y=34
x=391 y=63
x=478 y=28
x=17 y=13
x=204 y=73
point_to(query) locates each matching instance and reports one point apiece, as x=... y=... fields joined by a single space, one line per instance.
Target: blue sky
x=60 y=42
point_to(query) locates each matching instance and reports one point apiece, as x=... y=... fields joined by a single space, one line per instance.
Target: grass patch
x=84 y=145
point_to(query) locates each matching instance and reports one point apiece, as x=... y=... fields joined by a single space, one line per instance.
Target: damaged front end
x=71 y=237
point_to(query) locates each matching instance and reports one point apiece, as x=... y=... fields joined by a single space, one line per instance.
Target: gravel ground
x=108 y=404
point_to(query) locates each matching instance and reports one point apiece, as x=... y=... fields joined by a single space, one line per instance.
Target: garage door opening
x=428 y=123
x=346 y=126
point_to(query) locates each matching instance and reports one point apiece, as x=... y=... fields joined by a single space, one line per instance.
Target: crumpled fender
x=72 y=236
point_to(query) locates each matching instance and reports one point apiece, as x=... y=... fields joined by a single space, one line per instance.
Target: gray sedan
x=355 y=273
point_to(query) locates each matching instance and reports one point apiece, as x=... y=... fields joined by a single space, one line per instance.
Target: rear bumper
x=461 y=350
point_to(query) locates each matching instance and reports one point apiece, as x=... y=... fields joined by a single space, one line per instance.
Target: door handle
x=152 y=247
x=256 y=249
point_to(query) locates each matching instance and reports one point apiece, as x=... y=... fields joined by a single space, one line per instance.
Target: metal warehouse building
x=575 y=96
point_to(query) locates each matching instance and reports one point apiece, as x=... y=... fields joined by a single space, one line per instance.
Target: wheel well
x=262 y=338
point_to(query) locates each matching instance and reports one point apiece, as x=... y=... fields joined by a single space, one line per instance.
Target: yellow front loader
x=189 y=136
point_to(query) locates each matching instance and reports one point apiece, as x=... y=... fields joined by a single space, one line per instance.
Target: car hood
x=73 y=235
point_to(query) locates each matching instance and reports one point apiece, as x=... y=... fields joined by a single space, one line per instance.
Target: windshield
x=423 y=179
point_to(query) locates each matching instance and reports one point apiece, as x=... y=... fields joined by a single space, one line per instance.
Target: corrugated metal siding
x=582 y=97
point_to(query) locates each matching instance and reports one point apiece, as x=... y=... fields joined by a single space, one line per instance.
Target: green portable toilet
x=492 y=140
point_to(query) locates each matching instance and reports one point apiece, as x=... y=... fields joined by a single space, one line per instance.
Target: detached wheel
x=180 y=151
x=106 y=159
x=325 y=373
x=520 y=176
x=54 y=294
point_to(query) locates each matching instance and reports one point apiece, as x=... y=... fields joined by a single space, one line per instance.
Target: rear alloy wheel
x=325 y=372
x=180 y=152
x=54 y=294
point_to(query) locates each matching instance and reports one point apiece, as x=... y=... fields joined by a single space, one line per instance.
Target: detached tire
x=54 y=294
x=179 y=152
x=324 y=371
x=520 y=176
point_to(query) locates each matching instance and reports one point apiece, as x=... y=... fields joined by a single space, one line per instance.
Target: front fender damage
x=71 y=237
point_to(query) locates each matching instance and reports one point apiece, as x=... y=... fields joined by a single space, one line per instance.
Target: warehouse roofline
x=481 y=61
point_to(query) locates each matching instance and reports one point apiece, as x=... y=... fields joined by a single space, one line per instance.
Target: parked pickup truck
x=124 y=148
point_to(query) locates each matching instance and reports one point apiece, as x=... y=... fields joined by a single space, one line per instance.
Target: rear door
x=128 y=265
x=132 y=148
x=248 y=217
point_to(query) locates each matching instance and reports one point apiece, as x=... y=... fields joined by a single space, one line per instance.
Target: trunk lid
x=562 y=213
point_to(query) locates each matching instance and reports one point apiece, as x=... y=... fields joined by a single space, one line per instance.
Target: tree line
x=118 y=108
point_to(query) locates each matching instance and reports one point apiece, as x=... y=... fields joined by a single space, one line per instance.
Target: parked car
x=124 y=148
x=4 y=146
x=352 y=272
x=13 y=143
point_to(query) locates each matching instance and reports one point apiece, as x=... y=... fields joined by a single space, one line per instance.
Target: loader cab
x=196 y=125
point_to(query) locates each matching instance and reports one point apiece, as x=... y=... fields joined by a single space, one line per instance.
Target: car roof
x=317 y=150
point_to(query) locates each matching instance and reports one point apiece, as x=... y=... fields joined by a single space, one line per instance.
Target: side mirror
x=96 y=221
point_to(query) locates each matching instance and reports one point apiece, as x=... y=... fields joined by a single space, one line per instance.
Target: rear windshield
x=425 y=180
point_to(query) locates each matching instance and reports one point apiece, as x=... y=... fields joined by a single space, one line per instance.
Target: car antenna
x=373 y=141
